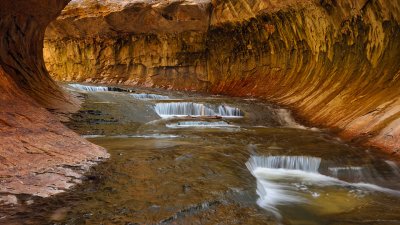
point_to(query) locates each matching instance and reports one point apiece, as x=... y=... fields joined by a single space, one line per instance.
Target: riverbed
x=185 y=158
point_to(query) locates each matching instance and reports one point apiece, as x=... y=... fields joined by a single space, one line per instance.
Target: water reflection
x=197 y=174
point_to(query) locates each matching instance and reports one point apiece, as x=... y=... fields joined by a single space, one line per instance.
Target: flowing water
x=147 y=96
x=181 y=158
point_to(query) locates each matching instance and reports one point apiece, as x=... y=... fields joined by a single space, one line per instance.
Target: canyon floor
x=184 y=158
x=169 y=157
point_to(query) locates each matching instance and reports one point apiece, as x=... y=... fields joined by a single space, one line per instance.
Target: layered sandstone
x=335 y=62
x=133 y=42
x=38 y=155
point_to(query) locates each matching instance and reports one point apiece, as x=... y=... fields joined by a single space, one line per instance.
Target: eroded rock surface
x=136 y=42
x=334 y=62
x=38 y=155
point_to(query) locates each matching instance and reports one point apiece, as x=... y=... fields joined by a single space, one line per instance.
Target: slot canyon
x=199 y=112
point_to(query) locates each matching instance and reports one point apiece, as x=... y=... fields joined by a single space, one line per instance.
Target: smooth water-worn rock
x=38 y=154
x=192 y=170
x=334 y=62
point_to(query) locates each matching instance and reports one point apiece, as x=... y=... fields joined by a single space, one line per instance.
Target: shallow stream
x=179 y=158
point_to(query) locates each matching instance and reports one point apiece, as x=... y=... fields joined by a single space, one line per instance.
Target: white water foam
x=353 y=171
x=309 y=164
x=228 y=111
x=180 y=109
x=145 y=96
x=172 y=109
x=200 y=124
x=285 y=180
x=89 y=88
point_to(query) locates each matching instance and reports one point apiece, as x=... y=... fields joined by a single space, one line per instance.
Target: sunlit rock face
x=334 y=62
x=36 y=150
x=151 y=43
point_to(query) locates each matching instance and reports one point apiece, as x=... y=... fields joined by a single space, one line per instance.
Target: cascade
x=309 y=164
x=183 y=109
x=195 y=109
x=288 y=180
x=89 y=88
x=349 y=171
x=228 y=111
x=145 y=96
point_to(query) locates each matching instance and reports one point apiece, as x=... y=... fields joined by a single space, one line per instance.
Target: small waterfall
x=288 y=180
x=183 y=109
x=194 y=109
x=270 y=170
x=349 y=171
x=309 y=164
x=228 y=111
x=89 y=88
x=145 y=96
x=183 y=124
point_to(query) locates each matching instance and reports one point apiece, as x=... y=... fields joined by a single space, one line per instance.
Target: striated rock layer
x=335 y=62
x=136 y=42
x=38 y=155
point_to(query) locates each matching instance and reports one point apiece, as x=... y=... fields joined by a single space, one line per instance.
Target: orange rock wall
x=36 y=150
x=335 y=62
x=22 y=28
x=145 y=43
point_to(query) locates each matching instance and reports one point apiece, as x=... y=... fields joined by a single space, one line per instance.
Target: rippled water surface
x=233 y=161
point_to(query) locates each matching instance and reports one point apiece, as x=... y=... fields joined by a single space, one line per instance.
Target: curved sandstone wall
x=135 y=42
x=335 y=62
x=36 y=150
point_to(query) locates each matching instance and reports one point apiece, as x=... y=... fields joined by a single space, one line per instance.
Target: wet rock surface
x=195 y=174
x=38 y=154
x=333 y=62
